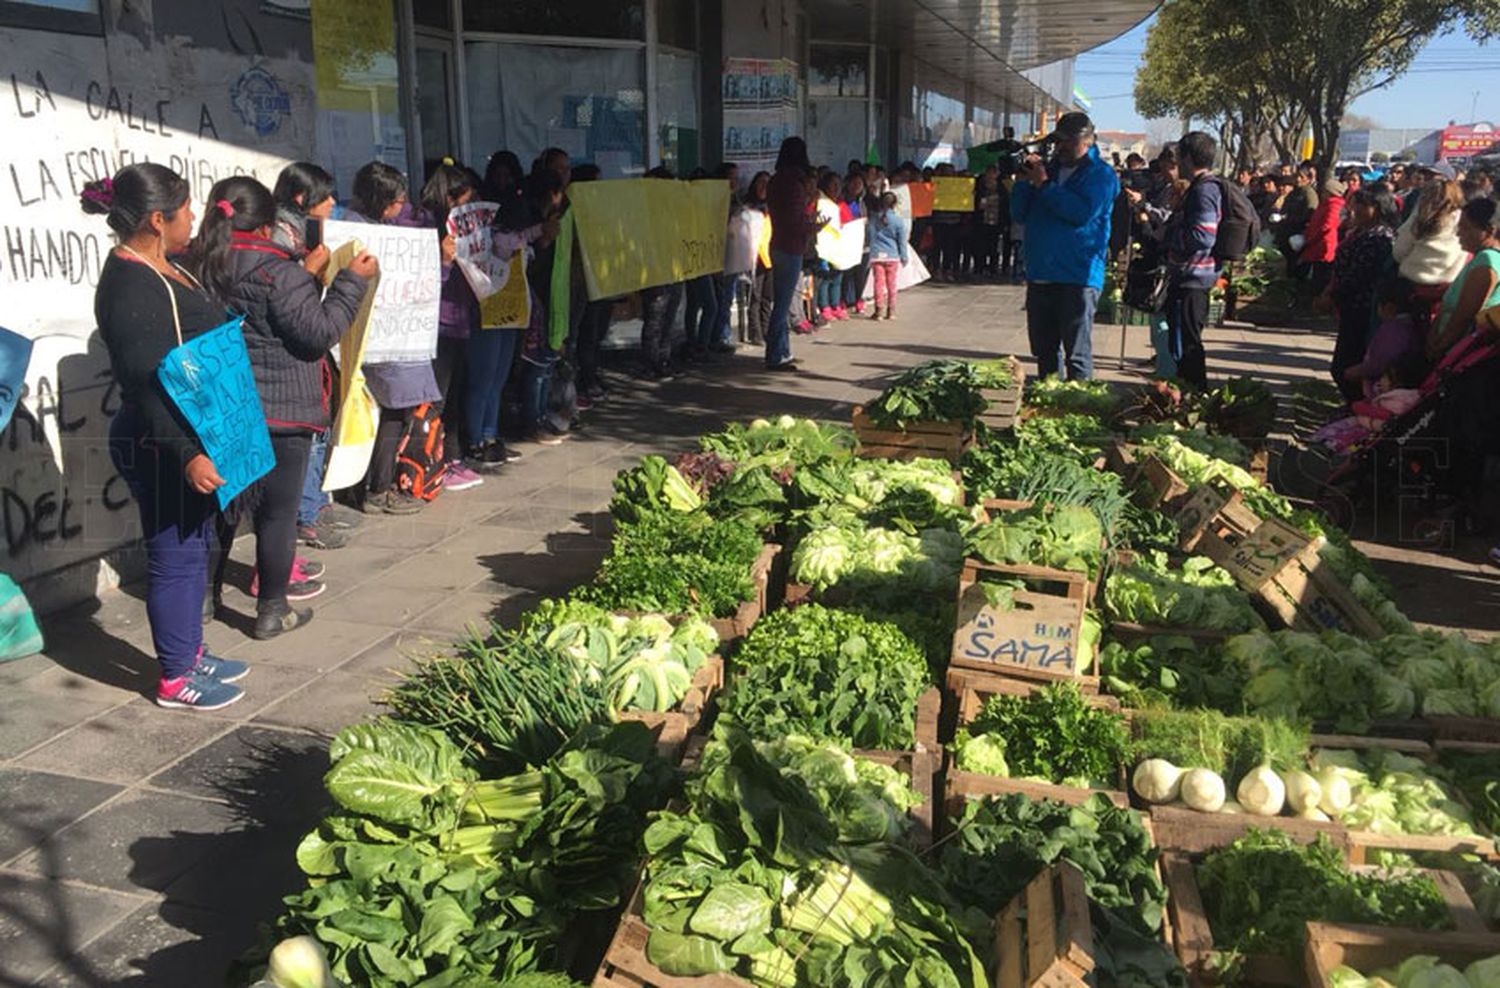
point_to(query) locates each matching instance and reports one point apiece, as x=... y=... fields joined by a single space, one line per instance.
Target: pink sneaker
x=460 y=477
x=804 y=327
x=841 y=313
x=827 y=314
x=859 y=308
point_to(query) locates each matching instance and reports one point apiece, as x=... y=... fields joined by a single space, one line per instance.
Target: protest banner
x=640 y=232
x=210 y=381
x=15 y=357
x=921 y=199
x=470 y=226
x=953 y=194
x=510 y=307
x=404 y=319
x=842 y=246
x=352 y=440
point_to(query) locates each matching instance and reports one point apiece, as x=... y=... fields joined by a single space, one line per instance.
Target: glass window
x=677 y=111
x=71 y=16
x=433 y=13
x=588 y=101
x=838 y=70
x=836 y=131
x=595 y=19
x=358 y=85
x=677 y=23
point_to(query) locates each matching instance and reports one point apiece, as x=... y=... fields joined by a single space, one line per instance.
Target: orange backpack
x=420 y=467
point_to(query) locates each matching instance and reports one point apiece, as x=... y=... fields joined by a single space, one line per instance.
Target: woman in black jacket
x=290 y=325
x=145 y=305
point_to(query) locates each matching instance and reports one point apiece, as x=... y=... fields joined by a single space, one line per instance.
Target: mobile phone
x=312 y=234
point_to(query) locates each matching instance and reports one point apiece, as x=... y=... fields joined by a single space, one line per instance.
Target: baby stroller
x=1410 y=458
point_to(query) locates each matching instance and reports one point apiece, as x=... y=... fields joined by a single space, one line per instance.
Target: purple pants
x=177 y=526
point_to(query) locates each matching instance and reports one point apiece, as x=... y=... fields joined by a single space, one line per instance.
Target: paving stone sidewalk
x=141 y=846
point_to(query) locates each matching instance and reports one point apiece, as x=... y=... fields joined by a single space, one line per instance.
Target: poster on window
x=760 y=110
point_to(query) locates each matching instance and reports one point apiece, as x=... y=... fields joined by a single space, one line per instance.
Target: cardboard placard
x=953 y=194
x=470 y=225
x=351 y=441
x=1039 y=635
x=510 y=307
x=404 y=319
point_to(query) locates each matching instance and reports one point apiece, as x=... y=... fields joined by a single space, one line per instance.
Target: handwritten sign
x=510 y=307
x=470 y=225
x=842 y=246
x=352 y=441
x=15 y=357
x=639 y=232
x=1037 y=636
x=953 y=194
x=210 y=381
x=404 y=320
x=1263 y=553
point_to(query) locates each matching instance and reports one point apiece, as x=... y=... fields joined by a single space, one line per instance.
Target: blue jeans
x=829 y=293
x=1060 y=326
x=179 y=538
x=701 y=311
x=786 y=269
x=313 y=496
x=1166 y=364
x=490 y=353
x=536 y=381
x=726 y=285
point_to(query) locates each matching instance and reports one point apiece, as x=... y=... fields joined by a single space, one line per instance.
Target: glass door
x=435 y=101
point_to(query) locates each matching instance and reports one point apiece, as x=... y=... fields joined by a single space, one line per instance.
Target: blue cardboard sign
x=15 y=356
x=210 y=381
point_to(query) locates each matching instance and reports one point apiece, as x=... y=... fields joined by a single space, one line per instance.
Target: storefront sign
x=404 y=320
x=1467 y=141
x=640 y=232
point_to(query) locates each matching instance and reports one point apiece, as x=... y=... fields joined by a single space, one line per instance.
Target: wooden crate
x=1034 y=641
x=938 y=440
x=1368 y=949
x=1465 y=730
x=969 y=690
x=625 y=962
x=1282 y=567
x=1003 y=405
x=1195 y=943
x=732 y=629
x=673 y=728
x=1044 y=936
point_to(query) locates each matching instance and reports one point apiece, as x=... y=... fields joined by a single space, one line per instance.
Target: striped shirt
x=1191 y=233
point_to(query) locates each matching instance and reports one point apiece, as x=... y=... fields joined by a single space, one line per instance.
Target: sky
x=1440 y=85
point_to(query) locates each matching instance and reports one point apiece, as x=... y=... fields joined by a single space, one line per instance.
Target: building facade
x=221 y=87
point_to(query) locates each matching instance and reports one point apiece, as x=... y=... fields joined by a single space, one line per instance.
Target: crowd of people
x=1408 y=261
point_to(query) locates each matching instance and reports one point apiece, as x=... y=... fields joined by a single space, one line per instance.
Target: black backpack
x=1239 y=226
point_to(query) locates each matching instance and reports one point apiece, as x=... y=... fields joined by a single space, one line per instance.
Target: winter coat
x=885 y=232
x=1067 y=223
x=290 y=325
x=1322 y=232
x=1191 y=233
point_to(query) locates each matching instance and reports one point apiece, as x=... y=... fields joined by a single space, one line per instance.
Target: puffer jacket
x=1067 y=223
x=290 y=325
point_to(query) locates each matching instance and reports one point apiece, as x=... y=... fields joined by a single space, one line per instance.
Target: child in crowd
x=850 y=209
x=380 y=196
x=449 y=187
x=1396 y=393
x=762 y=296
x=290 y=326
x=1400 y=332
x=886 y=235
x=828 y=281
x=304 y=199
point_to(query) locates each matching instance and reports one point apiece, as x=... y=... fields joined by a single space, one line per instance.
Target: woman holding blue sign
x=146 y=306
x=290 y=326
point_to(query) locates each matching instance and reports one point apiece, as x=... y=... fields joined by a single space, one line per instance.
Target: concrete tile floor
x=141 y=846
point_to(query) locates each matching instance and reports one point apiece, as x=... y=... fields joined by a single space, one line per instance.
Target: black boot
x=278 y=618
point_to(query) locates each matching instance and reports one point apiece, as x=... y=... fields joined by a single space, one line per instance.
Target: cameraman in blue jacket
x=1065 y=206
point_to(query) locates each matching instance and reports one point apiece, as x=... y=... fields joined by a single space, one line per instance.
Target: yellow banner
x=640 y=232
x=952 y=194
x=510 y=307
x=353 y=436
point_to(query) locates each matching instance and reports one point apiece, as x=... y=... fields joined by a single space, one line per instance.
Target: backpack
x=1239 y=226
x=420 y=467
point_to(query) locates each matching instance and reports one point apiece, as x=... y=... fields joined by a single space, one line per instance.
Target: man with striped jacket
x=1192 y=268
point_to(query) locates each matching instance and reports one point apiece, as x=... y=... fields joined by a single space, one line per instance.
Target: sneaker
x=803 y=328
x=859 y=308
x=303 y=589
x=789 y=364
x=666 y=372
x=556 y=422
x=841 y=313
x=597 y=392
x=224 y=670
x=392 y=503
x=583 y=402
x=194 y=692
x=507 y=453
x=460 y=477
x=545 y=437
x=322 y=535
x=278 y=622
x=723 y=347
x=307 y=569
x=485 y=457
x=827 y=315
x=339 y=516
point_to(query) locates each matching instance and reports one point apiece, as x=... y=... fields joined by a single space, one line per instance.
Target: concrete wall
x=762 y=29
x=210 y=89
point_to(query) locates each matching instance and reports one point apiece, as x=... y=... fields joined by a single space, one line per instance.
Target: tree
x=1290 y=64
x=1379 y=157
